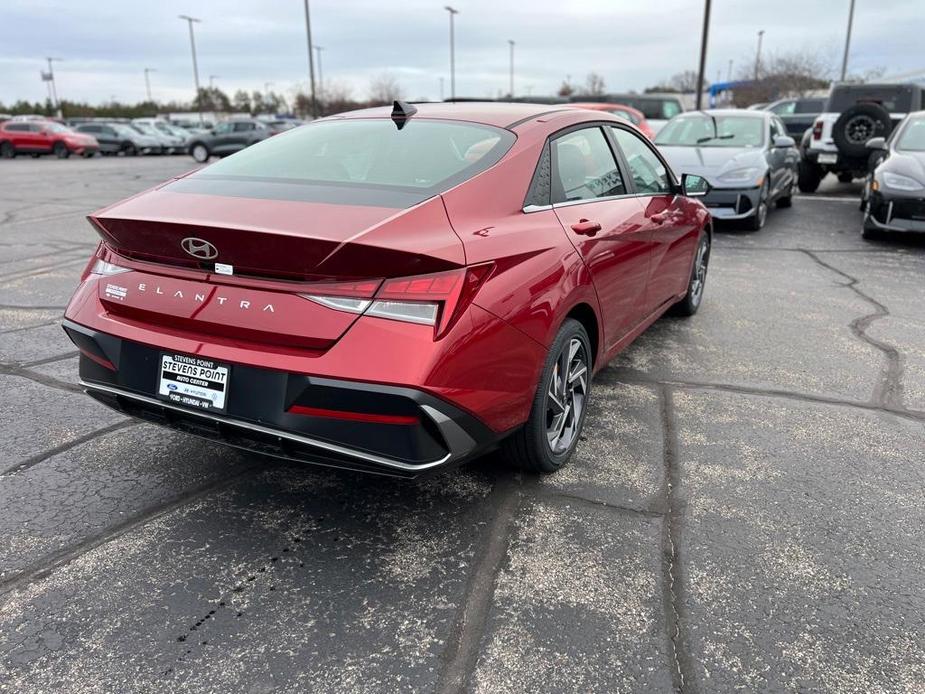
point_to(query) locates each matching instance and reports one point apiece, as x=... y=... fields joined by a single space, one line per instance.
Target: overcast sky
x=106 y=44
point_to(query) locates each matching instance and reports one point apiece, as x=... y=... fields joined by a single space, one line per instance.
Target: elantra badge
x=199 y=248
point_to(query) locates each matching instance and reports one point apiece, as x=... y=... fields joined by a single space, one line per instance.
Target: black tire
x=809 y=176
x=857 y=125
x=7 y=150
x=787 y=200
x=129 y=149
x=690 y=304
x=529 y=448
x=61 y=151
x=868 y=231
x=200 y=152
x=757 y=220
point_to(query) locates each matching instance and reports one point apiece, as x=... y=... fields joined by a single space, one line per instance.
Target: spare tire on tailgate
x=857 y=125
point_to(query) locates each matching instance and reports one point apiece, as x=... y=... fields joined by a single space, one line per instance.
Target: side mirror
x=876 y=143
x=783 y=141
x=694 y=186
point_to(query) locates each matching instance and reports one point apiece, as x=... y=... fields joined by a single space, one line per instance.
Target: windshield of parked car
x=703 y=130
x=423 y=155
x=144 y=129
x=912 y=137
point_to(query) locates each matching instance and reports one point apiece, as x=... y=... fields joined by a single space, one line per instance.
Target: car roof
x=745 y=113
x=499 y=114
x=604 y=105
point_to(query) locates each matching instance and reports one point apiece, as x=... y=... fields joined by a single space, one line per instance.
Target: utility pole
x=512 y=67
x=192 y=42
x=844 y=60
x=54 y=88
x=148 y=70
x=703 y=53
x=318 y=50
x=729 y=72
x=311 y=60
x=758 y=54
x=453 y=13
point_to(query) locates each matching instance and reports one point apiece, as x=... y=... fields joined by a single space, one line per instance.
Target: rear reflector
x=345 y=415
x=105 y=363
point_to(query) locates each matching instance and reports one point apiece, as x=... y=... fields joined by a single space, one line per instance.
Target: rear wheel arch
x=584 y=314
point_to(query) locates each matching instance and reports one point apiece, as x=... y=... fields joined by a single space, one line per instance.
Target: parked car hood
x=711 y=162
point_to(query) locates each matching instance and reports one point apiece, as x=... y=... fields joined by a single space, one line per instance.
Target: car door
x=222 y=137
x=19 y=136
x=108 y=138
x=42 y=137
x=242 y=135
x=781 y=160
x=667 y=217
x=604 y=222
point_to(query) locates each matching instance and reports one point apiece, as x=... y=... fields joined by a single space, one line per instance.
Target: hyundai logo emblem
x=199 y=248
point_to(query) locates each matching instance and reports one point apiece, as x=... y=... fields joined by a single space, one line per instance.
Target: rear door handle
x=586 y=227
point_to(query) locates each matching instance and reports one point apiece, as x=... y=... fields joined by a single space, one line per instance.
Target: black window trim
x=675 y=186
x=614 y=151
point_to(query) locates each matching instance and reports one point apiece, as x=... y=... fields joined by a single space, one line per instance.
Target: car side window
x=242 y=127
x=18 y=127
x=648 y=172
x=222 y=128
x=584 y=167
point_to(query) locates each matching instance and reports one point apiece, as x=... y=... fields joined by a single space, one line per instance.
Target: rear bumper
x=259 y=417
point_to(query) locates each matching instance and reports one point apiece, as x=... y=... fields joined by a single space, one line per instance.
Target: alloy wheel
x=565 y=397
x=701 y=262
x=860 y=129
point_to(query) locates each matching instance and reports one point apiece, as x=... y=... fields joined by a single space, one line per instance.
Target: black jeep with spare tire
x=853 y=114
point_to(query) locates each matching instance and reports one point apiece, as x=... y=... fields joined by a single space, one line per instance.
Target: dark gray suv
x=227 y=137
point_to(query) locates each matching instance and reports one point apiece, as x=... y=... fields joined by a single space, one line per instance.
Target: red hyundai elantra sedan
x=391 y=290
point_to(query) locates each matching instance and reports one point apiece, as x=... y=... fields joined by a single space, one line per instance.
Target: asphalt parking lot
x=747 y=511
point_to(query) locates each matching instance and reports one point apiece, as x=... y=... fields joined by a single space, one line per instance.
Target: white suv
x=853 y=114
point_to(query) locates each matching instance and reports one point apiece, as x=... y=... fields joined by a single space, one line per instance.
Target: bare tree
x=790 y=74
x=384 y=89
x=594 y=85
x=566 y=89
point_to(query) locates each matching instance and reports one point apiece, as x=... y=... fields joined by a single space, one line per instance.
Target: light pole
x=54 y=87
x=453 y=13
x=729 y=72
x=703 y=53
x=844 y=60
x=311 y=60
x=212 y=79
x=192 y=42
x=441 y=89
x=318 y=50
x=148 y=70
x=512 y=67
x=758 y=54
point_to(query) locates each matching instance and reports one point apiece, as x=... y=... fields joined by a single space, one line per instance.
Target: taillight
x=105 y=269
x=817 y=130
x=437 y=300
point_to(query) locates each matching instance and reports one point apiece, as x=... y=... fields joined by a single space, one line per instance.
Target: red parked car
x=37 y=137
x=392 y=291
x=633 y=115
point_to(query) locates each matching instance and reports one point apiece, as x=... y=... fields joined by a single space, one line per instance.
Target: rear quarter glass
x=370 y=157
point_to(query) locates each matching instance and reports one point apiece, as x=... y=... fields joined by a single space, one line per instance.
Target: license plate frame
x=193 y=382
x=827 y=158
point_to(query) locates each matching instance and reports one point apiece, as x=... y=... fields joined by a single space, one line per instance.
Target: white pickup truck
x=853 y=114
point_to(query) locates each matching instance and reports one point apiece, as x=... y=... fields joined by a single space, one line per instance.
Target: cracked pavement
x=746 y=511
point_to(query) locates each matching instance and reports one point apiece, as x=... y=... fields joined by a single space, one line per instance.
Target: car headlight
x=899 y=182
x=749 y=175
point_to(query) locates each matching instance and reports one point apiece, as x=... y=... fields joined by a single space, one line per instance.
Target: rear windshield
x=895 y=99
x=912 y=137
x=699 y=130
x=424 y=156
x=654 y=107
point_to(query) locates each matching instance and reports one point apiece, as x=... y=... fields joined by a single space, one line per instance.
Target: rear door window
x=584 y=167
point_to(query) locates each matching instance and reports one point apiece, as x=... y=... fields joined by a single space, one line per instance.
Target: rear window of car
x=896 y=99
x=424 y=155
